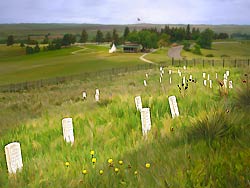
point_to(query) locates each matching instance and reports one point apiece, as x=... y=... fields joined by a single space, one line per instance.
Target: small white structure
x=146 y=75
x=190 y=77
x=184 y=80
x=113 y=49
x=204 y=75
x=173 y=106
x=97 y=95
x=216 y=75
x=230 y=84
x=210 y=83
x=170 y=80
x=160 y=79
x=84 y=94
x=227 y=73
x=68 y=133
x=13 y=157
x=225 y=76
x=138 y=103
x=145 y=83
x=170 y=72
x=205 y=82
x=145 y=120
x=208 y=77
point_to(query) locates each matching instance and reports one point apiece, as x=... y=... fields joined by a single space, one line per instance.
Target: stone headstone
x=173 y=106
x=84 y=94
x=204 y=75
x=13 y=157
x=145 y=83
x=68 y=133
x=230 y=84
x=97 y=97
x=205 y=82
x=138 y=103
x=225 y=76
x=97 y=92
x=183 y=80
x=225 y=83
x=145 y=120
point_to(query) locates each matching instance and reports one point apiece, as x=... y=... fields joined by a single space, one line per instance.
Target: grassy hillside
x=17 y=67
x=206 y=146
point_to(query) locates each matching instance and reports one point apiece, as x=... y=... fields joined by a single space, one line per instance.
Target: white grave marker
x=208 y=77
x=204 y=75
x=225 y=76
x=210 y=83
x=146 y=75
x=190 y=77
x=230 y=84
x=225 y=83
x=145 y=120
x=184 y=67
x=216 y=75
x=160 y=79
x=161 y=69
x=227 y=73
x=170 y=72
x=173 y=106
x=180 y=73
x=97 y=97
x=183 y=80
x=84 y=95
x=138 y=103
x=68 y=133
x=205 y=82
x=97 y=92
x=13 y=157
x=145 y=83
x=170 y=80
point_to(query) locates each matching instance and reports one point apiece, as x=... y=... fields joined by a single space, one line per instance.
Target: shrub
x=209 y=55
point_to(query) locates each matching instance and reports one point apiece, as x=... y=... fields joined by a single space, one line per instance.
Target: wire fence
x=199 y=63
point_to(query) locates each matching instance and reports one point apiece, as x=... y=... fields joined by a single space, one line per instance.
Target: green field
x=208 y=147
x=18 y=67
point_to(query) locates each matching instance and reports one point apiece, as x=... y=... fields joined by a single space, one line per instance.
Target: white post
x=210 y=83
x=230 y=84
x=138 y=103
x=145 y=83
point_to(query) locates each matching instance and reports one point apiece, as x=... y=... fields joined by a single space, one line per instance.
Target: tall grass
x=178 y=157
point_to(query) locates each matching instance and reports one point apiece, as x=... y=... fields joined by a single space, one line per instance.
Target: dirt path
x=175 y=52
x=146 y=60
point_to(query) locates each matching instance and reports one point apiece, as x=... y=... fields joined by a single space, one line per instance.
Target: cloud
x=125 y=12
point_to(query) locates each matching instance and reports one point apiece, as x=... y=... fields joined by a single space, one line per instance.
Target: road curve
x=175 y=52
x=146 y=60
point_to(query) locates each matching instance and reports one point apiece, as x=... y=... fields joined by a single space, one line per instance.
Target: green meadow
x=18 y=67
x=208 y=145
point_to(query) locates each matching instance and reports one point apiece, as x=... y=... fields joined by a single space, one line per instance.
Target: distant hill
x=22 y=30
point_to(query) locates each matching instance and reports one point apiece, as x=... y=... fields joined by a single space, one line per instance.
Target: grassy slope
x=112 y=129
x=20 y=68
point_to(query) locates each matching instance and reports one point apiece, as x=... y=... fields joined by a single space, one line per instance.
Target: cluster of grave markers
x=145 y=113
x=13 y=150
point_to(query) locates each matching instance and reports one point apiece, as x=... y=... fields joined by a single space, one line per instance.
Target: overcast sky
x=126 y=11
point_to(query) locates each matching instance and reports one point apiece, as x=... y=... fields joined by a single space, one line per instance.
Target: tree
x=22 y=44
x=196 y=49
x=205 y=39
x=10 y=40
x=164 y=40
x=126 y=33
x=133 y=37
x=188 y=33
x=68 y=39
x=84 y=36
x=108 y=37
x=195 y=33
x=99 y=36
x=115 y=37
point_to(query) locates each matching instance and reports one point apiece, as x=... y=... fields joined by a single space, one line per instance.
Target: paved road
x=175 y=52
